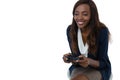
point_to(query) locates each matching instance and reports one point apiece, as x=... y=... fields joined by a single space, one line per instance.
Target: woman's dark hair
x=94 y=24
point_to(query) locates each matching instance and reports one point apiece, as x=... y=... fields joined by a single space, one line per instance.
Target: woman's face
x=82 y=15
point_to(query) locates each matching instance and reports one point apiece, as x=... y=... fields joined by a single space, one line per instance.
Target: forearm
x=93 y=63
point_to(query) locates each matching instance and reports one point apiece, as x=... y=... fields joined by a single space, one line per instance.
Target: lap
x=91 y=74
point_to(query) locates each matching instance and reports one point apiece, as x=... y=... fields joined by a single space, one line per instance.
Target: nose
x=80 y=17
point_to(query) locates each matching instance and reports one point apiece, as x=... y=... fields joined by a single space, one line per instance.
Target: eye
x=85 y=14
x=76 y=14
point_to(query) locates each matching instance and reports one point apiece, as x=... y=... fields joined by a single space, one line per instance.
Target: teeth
x=80 y=22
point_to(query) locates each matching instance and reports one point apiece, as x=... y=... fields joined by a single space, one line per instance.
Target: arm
x=103 y=49
x=102 y=53
x=102 y=57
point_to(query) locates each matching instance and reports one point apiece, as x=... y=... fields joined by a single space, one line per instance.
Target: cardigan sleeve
x=103 y=49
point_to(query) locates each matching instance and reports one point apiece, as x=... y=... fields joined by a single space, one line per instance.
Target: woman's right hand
x=65 y=59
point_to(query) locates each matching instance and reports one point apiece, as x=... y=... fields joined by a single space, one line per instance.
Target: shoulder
x=68 y=29
x=103 y=34
x=68 y=32
x=104 y=30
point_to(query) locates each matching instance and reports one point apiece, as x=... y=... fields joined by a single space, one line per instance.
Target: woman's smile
x=80 y=22
x=82 y=15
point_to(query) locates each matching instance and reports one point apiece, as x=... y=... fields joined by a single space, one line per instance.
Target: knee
x=79 y=77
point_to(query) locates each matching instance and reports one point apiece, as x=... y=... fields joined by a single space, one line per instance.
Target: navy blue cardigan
x=102 y=54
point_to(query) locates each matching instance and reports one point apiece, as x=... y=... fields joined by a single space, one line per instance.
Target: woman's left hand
x=83 y=61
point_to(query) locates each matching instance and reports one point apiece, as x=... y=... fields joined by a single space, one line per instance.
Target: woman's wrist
x=93 y=63
x=89 y=61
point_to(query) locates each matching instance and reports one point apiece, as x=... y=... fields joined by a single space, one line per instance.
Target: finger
x=67 y=54
x=81 y=61
x=81 y=57
x=65 y=58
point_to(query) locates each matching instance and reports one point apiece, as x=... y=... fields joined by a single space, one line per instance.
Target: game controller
x=73 y=58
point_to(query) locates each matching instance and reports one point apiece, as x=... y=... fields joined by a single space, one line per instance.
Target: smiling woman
x=88 y=39
x=82 y=15
x=33 y=38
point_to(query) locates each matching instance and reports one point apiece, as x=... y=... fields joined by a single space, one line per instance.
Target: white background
x=33 y=37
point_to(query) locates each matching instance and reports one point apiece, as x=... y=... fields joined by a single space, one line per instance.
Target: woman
x=88 y=39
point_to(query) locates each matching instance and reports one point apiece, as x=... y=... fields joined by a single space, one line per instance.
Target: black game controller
x=73 y=58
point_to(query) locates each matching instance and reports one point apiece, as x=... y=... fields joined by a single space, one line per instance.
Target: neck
x=85 y=30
